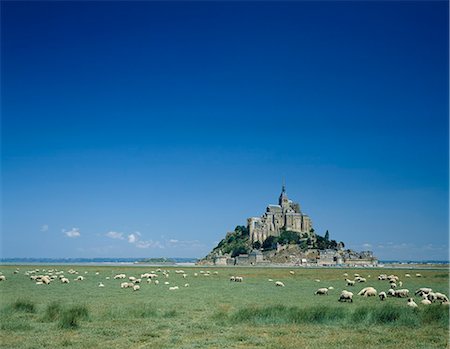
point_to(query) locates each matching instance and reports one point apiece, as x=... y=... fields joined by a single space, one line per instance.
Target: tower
x=283 y=201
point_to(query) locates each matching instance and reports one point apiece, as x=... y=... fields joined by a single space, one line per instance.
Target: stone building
x=284 y=216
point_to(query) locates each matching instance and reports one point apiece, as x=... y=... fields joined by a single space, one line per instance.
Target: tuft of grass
x=70 y=317
x=24 y=305
x=435 y=313
x=53 y=312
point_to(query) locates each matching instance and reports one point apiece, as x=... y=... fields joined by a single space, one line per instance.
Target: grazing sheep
x=100 y=285
x=407 y=275
x=136 y=288
x=291 y=272
x=382 y=295
x=402 y=293
x=232 y=278
x=124 y=285
x=167 y=283
x=317 y=280
x=2 y=277
x=331 y=288
x=120 y=276
x=132 y=278
x=79 y=278
x=367 y=292
x=322 y=291
x=156 y=282
x=441 y=297
x=425 y=301
x=350 y=282
x=360 y=279
x=346 y=296
x=391 y=292
x=345 y=274
x=271 y=280
x=173 y=288
x=393 y=285
x=279 y=283
x=423 y=291
x=400 y=284
x=239 y=279
x=64 y=280
x=411 y=303
x=418 y=275
x=186 y=285
x=184 y=276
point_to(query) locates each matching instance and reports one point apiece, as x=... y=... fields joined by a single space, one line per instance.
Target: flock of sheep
x=427 y=295
x=45 y=277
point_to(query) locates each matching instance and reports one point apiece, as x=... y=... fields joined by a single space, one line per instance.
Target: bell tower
x=283 y=201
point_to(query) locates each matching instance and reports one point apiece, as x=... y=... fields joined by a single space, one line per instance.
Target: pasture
x=216 y=313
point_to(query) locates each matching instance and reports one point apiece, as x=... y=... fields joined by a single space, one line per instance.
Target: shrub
x=52 y=312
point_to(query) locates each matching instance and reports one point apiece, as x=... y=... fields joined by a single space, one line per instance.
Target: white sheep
x=407 y=275
x=173 y=288
x=425 y=302
x=239 y=279
x=279 y=283
x=367 y=292
x=418 y=275
x=317 y=280
x=2 y=277
x=79 y=278
x=136 y=287
x=423 y=291
x=186 y=285
x=350 y=282
x=156 y=282
x=100 y=285
x=411 y=303
x=65 y=280
x=382 y=295
x=232 y=278
x=322 y=291
x=441 y=297
x=346 y=296
x=291 y=272
x=402 y=293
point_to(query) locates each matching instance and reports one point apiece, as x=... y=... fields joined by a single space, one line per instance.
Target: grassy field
x=216 y=313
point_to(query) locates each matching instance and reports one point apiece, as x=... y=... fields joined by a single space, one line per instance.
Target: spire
x=283 y=188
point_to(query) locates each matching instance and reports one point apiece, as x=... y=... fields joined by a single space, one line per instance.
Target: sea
x=99 y=261
x=158 y=261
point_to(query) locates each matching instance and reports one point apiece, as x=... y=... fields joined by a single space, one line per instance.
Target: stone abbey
x=284 y=216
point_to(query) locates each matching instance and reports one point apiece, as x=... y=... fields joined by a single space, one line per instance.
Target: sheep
x=291 y=272
x=345 y=274
x=137 y=281
x=167 y=283
x=391 y=292
x=136 y=288
x=124 y=285
x=322 y=291
x=100 y=285
x=367 y=292
x=64 y=280
x=423 y=291
x=317 y=280
x=279 y=283
x=232 y=278
x=2 y=277
x=330 y=287
x=360 y=279
x=120 y=276
x=184 y=276
x=173 y=288
x=239 y=279
x=156 y=282
x=407 y=275
x=402 y=293
x=441 y=297
x=270 y=280
x=400 y=284
x=393 y=285
x=418 y=275
x=350 y=282
x=132 y=278
x=425 y=302
x=346 y=296
x=382 y=295
x=186 y=285
x=411 y=303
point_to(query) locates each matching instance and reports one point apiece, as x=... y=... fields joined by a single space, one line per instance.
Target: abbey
x=284 y=216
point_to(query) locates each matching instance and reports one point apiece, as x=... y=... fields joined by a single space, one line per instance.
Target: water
x=100 y=261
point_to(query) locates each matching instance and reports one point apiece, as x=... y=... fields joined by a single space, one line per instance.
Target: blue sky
x=147 y=129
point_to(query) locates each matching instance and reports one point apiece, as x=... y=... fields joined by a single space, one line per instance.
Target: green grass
x=216 y=313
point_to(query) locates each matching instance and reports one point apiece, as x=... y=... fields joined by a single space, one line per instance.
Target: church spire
x=283 y=188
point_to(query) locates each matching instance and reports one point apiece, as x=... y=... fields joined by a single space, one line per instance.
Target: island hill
x=283 y=235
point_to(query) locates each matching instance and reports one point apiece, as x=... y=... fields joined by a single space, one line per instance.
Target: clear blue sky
x=145 y=129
